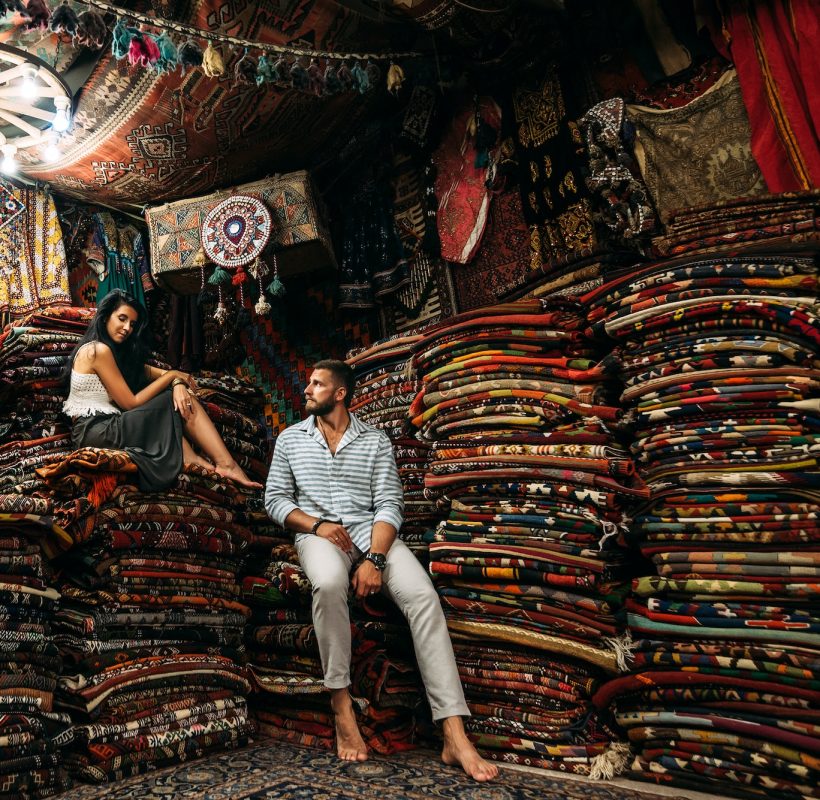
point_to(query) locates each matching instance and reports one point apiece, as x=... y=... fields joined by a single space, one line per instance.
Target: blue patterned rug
x=276 y=771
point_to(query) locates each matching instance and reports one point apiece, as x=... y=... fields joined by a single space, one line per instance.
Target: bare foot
x=200 y=462
x=349 y=743
x=459 y=751
x=236 y=473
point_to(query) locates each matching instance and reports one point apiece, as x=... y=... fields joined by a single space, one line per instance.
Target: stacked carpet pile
x=32 y=732
x=720 y=361
x=290 y=701
x=384 y=391
x=527 y=564
x=150 y=626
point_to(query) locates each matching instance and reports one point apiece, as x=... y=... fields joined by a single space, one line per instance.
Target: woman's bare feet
x=458 y=751
x=349 y=743
x=236 y=473
x=199 y=461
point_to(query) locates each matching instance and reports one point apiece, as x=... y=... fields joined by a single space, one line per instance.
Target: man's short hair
x=342 y=373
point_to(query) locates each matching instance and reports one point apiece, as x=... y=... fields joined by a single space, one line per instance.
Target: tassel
x=485 y=137
x=395 y=78
x=219 y=276
x=280 y=70
x=64 y=19
x=121 y=40
x=262 y=305
x=276 y=287
x=264 y=71
x=38 y=14
x=168 y=55
x=316 y=78
x=205 y=294
x=221 y=313
x=239 y=278
x=346 y=77
x=374 y=74
x=102 y=487
x=299 y=76
x=91 y=30
x=190 y=55
x=12 y=7
x=212 y=64
x=143 y=50
x=360 y=80
x=244 y=71
x=200 y=259
x=331 y=77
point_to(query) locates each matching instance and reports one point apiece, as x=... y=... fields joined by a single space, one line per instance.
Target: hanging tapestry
x=33 y=267
x=502 y=261
x=149 y=137
x=463 y=196
x=10 y=207
x=115 y=250
x=551 y=163
x=429 y=297
x=775 y=49
x=372 y=265
x=711 y=136
x=298 y=234
x=236 y=231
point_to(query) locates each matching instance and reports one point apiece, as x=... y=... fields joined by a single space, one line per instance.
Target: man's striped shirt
x=358 y=487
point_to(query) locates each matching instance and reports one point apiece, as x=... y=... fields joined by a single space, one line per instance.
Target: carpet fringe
x=622 y=647
x=613 y=761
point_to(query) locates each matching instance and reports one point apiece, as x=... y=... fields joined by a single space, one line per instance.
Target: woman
x=118 y=401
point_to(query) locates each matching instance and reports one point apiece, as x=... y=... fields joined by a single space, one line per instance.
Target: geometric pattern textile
x=711 y=136
x=268 y=770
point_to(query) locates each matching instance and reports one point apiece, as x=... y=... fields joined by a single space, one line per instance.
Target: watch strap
x=378 y=560
x=315 y=527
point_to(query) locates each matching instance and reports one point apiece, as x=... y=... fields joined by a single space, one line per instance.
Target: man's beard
x=319 y=409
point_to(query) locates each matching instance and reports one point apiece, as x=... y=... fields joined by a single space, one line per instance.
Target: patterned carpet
x=265 y=771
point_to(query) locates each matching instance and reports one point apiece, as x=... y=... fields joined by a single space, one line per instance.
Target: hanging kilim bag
x=299 y=237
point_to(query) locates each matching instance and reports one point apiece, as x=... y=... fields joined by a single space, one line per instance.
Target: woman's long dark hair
x=131 y=355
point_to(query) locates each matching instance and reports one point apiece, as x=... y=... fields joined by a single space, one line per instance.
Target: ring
x=190 y=405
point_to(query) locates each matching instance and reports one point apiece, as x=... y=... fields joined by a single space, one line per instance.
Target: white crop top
x=88 y=396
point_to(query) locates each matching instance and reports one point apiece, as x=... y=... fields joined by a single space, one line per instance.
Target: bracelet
x=315 y=528
x=178 y=382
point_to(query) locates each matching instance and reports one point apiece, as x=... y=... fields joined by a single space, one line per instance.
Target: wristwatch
x=378 y=560
x=315 y=528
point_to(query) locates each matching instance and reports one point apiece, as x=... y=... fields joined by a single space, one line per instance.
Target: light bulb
x=29 y=87
x=62 y=119
x=9 y=164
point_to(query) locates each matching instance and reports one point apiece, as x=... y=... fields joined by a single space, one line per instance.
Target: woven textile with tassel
x=299 y=236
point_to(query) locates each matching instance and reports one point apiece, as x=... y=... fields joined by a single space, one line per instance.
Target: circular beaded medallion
x=236 y=231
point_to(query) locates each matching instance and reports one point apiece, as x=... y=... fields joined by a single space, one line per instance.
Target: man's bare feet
x=236 y=473
x=349 y=743
x=458 y=751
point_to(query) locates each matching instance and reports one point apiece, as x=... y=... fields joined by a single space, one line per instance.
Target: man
x=334 y=481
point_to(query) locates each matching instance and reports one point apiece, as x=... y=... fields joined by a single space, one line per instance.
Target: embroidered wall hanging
x=10 y=207
x=236 y=231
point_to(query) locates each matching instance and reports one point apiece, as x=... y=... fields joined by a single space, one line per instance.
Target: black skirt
x=151 y=434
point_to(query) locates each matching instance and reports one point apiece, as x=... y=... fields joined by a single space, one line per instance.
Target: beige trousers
x=408 y=585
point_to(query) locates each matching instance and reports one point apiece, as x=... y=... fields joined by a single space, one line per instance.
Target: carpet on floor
x=268 y=770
